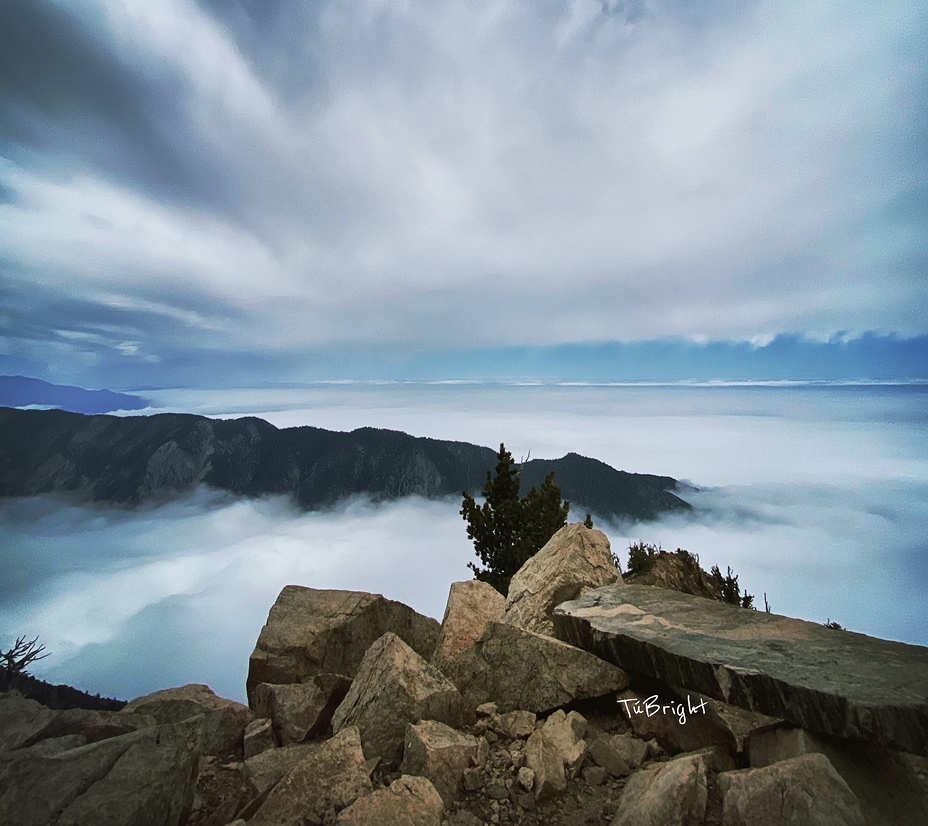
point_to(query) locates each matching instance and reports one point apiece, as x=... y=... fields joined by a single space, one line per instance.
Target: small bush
x=641 y=557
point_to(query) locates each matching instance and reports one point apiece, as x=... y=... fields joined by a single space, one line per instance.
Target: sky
x=224 y=192
x=816 y=497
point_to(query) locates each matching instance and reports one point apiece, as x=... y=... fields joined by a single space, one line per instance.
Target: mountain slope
x=19 y=391
x=131 y=459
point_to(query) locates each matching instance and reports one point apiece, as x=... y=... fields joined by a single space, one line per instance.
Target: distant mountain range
x=20 y=391
x=132 y=459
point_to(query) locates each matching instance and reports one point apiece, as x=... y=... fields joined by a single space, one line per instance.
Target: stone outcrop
x=573 y=561
x=310 y=632
x=326 y=781
x=512 y=747
x=222 y=721
x=471 y=605
x=758 y=661
x=519 y=669
x=301 y=711
x=804 y=789
x=395 y=686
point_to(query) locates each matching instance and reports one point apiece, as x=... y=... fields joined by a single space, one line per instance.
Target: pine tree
x=507 y=530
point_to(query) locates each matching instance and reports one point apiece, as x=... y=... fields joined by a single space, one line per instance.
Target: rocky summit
x=361 y=711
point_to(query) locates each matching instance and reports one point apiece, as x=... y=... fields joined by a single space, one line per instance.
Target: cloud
x=133 y=600
x=319 y=176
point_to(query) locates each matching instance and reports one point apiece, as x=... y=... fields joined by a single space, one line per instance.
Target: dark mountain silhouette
x=132 y=459
x=19 y=391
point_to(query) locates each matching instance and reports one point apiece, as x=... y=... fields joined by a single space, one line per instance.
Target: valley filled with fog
x=814 y=495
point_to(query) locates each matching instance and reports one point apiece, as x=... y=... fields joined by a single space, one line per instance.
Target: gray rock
x=395 y=686
x=631 y=750
x=223 y=721
x=329 y=779
x=547 y=763
x=573 y=561
x=301 y=711
x=311 y=632
x=604 y=753
x=668 y=794
x=265 y=769
x=514 y=725
x=519 y=669
x=804 y=789
x=146 y=778
x=885 y=781
x=408 y=801
x=259 y=737
x=872 y=689
x=440 y=753
x=471 y=605
x=566 y=731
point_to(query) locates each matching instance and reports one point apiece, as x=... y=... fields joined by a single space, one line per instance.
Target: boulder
x=804 y=789
x=329 y=779
x=566 y=732
x=395 y=686
x=631 y=750
x=265 y=769
x=518 y=669
x=146 y=778
x=573 y=561
x=674 y=793
x=547 y=763
x=471 y=605
x=259 y=737
x=872 y=689
x=223 y=721
x=408 y=801
x=301 y=711
x=222 y=790
x=604 y=753
x=885 y=781
x=310 y=632
x=514 y=725
x=440 y=753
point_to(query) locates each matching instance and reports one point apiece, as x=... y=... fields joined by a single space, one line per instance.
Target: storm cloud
x=259 y=188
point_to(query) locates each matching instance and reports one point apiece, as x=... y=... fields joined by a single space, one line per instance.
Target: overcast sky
x=227 y=190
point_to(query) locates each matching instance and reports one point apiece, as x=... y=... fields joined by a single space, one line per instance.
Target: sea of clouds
x=816 y=497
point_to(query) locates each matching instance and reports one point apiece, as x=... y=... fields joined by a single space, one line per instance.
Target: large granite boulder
x=328 y=779
x=395 y=686
x=408 y=801
x=573 y=561
x=471 y=605
x=223 y=721
x=667 y=794
x=301 y=711
x=310 y=632
x=804 y=789
x=518 y=669
x=263 y=770
x=835 y=682
x=146 y=778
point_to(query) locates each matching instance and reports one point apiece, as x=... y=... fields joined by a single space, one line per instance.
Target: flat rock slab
x=836 y=682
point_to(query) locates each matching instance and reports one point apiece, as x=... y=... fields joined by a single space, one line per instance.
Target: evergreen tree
x=508 y=530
